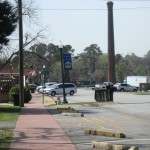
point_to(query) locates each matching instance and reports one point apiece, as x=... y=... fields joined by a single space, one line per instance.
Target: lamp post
x=62 y=69
x=40 y=78
x=43 y=82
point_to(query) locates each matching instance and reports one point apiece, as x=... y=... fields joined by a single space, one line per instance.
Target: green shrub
x=15 y=90
x=27 y=94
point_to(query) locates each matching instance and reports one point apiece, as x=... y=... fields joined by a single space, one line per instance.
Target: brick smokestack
x=111 y=51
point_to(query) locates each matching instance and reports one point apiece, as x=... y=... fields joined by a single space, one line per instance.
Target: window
x=69 y=85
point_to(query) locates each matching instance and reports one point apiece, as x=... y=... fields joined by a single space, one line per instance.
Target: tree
x=8 y=22
x=147 y=63
x=11 y=50
x=91 y=53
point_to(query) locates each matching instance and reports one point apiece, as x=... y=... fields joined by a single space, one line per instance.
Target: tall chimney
x=111 y=51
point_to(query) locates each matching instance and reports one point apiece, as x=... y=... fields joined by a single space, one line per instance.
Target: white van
x=57 y=89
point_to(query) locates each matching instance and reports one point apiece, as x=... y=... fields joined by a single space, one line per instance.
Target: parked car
x=32 y=87
x=103 y=85
x=125 y=87
x=108 y=83
x=57 y=89
x=46 y=85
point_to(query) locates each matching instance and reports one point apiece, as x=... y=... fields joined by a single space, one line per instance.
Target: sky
x=81 y=23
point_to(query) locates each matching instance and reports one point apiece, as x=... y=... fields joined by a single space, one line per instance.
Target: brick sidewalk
x=36 y=129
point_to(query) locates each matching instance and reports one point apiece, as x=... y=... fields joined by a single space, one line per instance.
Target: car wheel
x=121 y=90
x=53 y=93
x=134 y=90
x=71 y=93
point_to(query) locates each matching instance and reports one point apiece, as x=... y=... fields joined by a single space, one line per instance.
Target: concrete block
x=99 y=132
x=134 y=148
x=119 y=135
x=74 y=114
x=93 y=132
x=101 y=145
x=119 y=147
x=63 y=108
x=87 y=132
x=104 y=133
x=110 y=134
x=108 y=146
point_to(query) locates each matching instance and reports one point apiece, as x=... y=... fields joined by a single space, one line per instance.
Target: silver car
x=41 y=89
x=125 y=87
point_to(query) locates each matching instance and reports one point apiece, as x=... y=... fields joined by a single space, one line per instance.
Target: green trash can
x=16 y=99
x=32 y=89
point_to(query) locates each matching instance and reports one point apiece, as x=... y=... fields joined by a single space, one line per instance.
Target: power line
x=127 y=0
x=89 y=9
x=69 y=9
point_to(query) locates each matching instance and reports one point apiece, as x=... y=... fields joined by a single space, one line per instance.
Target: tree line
x=90 y=65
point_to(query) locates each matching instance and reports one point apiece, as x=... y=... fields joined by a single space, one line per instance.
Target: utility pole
x=21 y=56
x=111 y=51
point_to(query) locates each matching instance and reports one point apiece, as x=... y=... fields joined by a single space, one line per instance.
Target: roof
x=16 y=71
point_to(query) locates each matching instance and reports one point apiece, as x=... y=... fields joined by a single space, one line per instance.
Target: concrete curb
x=66 y=108
x=107 y=146
x=73 y=114
x=105 y=133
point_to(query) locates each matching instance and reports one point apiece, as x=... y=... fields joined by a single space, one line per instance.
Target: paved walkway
x=36 y=129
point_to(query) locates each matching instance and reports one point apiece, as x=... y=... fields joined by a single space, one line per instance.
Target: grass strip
x=7 y=113
x=5 y=138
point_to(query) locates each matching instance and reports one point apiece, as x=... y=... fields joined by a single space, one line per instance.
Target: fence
x=5 y=86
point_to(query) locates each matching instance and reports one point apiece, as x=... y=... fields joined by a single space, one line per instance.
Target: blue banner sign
x=67 y=61
x=46 y=73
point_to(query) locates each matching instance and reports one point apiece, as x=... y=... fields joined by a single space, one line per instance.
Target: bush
x=27 y=94
x=15 y=91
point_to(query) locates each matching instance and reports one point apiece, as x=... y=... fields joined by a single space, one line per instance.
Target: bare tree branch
x=28 y=41
x=2 y=66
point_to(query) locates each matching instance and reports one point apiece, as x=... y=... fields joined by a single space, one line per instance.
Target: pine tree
x=8 y=22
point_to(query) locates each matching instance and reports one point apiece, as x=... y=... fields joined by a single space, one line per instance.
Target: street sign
x=67 y=61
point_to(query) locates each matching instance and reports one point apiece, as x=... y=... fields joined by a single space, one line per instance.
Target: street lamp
x=43 y=81
x=62 y=69
x=40 y=78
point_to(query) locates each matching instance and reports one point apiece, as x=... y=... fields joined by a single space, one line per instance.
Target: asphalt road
x=128 y=114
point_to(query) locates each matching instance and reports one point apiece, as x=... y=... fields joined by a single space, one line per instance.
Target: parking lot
x=128 y=114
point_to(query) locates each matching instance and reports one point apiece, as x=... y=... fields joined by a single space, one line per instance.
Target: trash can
x=16 y=99
x=32 y=89
x=104 y=93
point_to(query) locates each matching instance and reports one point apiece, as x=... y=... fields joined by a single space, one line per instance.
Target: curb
x=73 y=114
x=66 y=108
x=68 y=111
x=105 y=133
x=107 y=146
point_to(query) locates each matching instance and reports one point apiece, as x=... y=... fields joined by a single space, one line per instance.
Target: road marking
x=125 y=140
x=95 y=124
x=114 y=123
x=100 y=120
x=127 y=118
